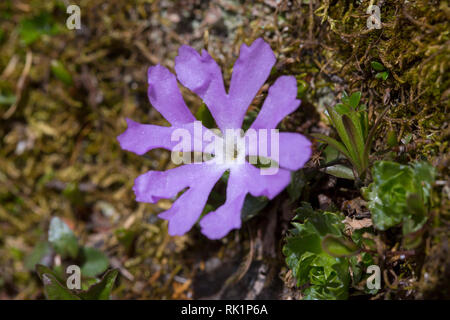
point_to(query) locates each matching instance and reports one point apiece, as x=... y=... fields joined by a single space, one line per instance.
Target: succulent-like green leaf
x=327 y=276
x=400 y=194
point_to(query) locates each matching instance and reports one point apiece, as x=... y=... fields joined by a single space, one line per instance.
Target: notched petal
x=227 y=217
x=250 y=71
x=155 y=185
x=281 y=101
x=165 y=96
x=202 y=75
x=141 y=138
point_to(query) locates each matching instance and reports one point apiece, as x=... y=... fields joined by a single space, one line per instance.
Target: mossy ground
x=59 y=155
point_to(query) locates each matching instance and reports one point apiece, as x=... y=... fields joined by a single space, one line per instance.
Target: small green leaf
x=363 y=117
x=336 y=120
x=356 y=145
x=331 y=154
x=345 y=98
x=204 y=115
x=252 y=206
x=32 y=29
x=102 y=289
x=377 y=66
x=340 y=171
x=342 y=108
x=95 y=262
x=62 y=238
x=338 y=123
x=338 y=246
x=354 y=99
x=60 y=72
x=332 y=142
x=382 y=75
x=56 y=291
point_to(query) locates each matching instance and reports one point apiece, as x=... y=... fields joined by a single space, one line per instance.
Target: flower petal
x=295 y=150
x=269 y=185
x=290 y=150
x=202 y=75
x=280 y=102
x=217 y=224
x=165 y=96
x=186 y=210
x=140 y=138
x=155 y=185
x=250 y=71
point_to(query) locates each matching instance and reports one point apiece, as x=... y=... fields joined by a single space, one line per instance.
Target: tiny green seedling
x=382 y=72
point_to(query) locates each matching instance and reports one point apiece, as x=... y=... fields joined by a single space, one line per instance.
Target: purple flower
x=202 y=75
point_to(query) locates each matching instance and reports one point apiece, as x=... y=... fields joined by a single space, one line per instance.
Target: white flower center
x=230 y=149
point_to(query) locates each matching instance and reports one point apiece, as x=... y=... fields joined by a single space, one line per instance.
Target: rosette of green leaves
x=350 y=119
x=317 y=253
x=400 y=194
